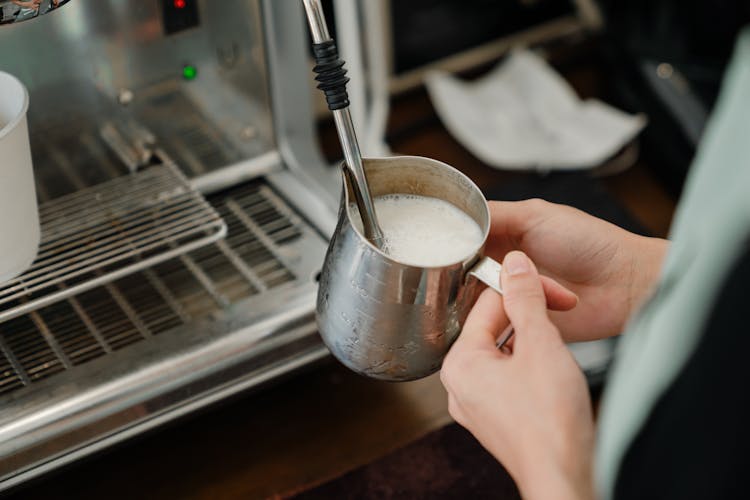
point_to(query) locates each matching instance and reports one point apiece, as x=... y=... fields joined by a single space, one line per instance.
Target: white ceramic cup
x=19 y=216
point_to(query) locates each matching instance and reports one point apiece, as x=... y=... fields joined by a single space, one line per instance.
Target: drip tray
x=106 y=363
x=268 y=248
x=108 y=231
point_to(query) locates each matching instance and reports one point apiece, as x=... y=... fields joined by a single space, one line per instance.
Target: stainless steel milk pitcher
x=389 y=320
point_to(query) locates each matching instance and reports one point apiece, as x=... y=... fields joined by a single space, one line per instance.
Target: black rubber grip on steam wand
x=331 y=75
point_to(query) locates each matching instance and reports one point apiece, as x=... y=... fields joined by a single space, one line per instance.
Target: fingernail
x=516 y=263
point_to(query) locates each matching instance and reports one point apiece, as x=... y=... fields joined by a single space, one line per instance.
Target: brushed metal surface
x=96 y=60
x=108 y=363
x=389 y=320
x=150 y=382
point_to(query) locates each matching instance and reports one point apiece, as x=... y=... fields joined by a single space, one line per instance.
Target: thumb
x=484 y=322
x=523 y=295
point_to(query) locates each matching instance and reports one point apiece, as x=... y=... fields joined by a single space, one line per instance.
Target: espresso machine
x=169 y=102
x=190 y=124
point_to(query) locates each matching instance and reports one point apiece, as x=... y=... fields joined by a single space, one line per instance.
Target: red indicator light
x=179 y=4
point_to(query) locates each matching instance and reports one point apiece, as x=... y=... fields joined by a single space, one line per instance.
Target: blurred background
x=323 y=432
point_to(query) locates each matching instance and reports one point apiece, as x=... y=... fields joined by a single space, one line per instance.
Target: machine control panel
x=179 y=15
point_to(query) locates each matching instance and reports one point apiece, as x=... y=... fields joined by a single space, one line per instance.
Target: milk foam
x=424 y=231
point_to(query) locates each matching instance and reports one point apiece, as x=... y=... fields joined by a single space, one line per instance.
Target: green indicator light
x=189 y=72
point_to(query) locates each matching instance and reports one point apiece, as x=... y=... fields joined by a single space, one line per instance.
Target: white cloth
x=523 y=115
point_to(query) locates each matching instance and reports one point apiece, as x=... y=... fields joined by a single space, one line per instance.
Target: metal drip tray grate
x=108 y=231
x=268 y=246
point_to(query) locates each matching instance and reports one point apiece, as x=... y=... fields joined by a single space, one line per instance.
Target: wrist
x=572 y=481
x=559 y=466
x=648 y=256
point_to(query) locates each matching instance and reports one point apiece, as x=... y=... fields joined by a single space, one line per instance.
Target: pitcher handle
x=487 y=270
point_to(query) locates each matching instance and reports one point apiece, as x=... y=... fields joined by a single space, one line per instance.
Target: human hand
x=530 y=406
x=611 y=270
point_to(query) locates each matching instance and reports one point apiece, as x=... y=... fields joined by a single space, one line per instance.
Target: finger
x=510 y=221
x=558 y=297
x=524 y=299
x=507 y=227
x=512 y=218
x=485 y=320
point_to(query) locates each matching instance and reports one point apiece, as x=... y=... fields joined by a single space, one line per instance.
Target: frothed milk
x=424 y=231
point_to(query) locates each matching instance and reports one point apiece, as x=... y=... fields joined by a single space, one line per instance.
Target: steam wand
x=332 y=79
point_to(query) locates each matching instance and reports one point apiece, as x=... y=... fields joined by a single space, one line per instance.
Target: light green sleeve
x=711 y=225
